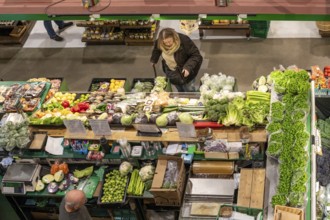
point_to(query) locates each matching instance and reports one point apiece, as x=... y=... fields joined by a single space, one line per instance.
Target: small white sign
x=100 y=127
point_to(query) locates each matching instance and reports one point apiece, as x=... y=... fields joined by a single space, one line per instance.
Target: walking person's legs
x=50 y=30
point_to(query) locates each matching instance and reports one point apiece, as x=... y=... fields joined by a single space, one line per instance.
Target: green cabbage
x=126 y=120
x=162 y=121
x=186 y=118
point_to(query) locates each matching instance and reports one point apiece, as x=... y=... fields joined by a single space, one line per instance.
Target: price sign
x=186 y=130
x=75 y=127
x=100 y=127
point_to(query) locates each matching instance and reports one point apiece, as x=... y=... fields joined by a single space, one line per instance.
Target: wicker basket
x=323 y=25
x=295 y=211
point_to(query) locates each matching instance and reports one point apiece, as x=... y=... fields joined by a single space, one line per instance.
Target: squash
x=64 y=167
x=54 y=168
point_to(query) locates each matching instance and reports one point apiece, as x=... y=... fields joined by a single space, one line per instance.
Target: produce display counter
x=231 y=151
x=245 y=27
x=16 y=34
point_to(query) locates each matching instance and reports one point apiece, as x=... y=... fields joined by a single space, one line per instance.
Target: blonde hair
x=167 y=33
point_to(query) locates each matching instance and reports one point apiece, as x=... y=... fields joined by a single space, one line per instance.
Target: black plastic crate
x=135 y=80
x=103 y=181
x=107 y=80
x=98 y=80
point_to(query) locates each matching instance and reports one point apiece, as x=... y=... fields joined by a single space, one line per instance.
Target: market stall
x=133 y=147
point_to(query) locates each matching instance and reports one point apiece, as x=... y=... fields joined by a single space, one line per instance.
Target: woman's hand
x=185 y=73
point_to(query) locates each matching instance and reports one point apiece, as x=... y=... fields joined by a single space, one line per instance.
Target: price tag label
x=75 y=127
x=318 y=144
x=186 y=130
x=234 y=146
x=100 y=127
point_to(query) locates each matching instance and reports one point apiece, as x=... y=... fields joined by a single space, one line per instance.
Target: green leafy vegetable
x=277 y=110
x=273 y=127
x=279 y=200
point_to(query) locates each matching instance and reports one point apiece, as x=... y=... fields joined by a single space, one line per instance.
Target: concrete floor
x=243 y=59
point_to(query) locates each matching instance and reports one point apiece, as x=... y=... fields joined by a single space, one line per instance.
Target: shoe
x=57 y=38
x=65 y=26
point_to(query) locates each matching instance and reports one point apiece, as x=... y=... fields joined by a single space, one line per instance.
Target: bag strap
x=155 y=72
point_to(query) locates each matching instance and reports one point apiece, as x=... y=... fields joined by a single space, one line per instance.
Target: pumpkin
x=54 y=168
x=64 y=167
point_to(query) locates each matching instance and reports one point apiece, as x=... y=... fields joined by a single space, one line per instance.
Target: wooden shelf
x=246 y=27
x=225 y=26
x=110 y=42
x=9 y=26
x=172 y=135
x=138 y=42
x=94 y=26
x=135 y=26
x=128 y=41
x=18 y=40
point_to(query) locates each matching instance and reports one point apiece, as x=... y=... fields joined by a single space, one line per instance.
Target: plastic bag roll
x=213 y=167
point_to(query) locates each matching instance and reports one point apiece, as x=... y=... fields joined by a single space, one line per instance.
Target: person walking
x=73 y=206
x=61 y=27
x=181 y=59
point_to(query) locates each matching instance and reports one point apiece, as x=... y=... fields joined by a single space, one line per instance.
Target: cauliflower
x=147 y=173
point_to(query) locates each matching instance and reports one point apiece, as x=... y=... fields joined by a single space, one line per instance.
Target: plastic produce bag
x=216 y=146
x=171 y=175
x=230 y=81
x=125 y=147
x=125 y=168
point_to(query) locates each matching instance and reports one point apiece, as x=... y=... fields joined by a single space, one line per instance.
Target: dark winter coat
x=187 y=56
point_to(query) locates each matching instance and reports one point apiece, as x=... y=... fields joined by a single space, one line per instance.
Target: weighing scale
x=150 y=130
x=20 y=178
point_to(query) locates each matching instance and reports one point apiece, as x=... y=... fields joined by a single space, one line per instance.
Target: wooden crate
x=251 y=188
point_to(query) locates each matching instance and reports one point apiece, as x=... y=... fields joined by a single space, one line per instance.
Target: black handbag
x=176 y=77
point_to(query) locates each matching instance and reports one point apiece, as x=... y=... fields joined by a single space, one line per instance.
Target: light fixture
x=93 y=17
x=200 y=17
x=153 y=17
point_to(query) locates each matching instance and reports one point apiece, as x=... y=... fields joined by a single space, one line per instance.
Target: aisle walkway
x=241 y=58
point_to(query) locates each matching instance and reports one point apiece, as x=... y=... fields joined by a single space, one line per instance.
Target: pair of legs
x=61 y=27
x=50 y=30
x=188 y=87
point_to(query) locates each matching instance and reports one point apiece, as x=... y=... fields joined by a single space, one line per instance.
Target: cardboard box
x=168 y=197
x=44 y=215
x=288 y=213
x=216 y=155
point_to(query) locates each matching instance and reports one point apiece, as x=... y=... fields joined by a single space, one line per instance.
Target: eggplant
x=116 y=118
x=64 y=185
x=52 y=187
x=72 y=178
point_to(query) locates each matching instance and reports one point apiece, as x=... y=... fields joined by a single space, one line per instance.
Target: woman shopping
x=181 y=58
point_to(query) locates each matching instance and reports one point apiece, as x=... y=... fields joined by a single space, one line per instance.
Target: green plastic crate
x=261 y=33
x=259 y=28
x=259 y=24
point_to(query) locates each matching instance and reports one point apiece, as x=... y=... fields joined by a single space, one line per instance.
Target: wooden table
x=245 y=27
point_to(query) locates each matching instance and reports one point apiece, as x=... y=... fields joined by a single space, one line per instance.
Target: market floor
x=241 y=58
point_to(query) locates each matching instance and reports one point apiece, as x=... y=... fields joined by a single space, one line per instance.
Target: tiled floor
x=278 y=29
x=39 y=38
